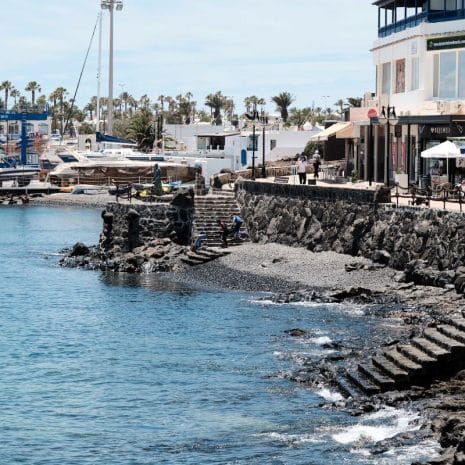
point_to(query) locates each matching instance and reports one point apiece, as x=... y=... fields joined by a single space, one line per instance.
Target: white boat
x=76 y=168
x=12 y=170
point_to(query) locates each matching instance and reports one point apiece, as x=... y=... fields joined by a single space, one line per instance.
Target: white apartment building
x=420 y=90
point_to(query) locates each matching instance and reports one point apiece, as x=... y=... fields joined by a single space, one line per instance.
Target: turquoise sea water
x=98 y=369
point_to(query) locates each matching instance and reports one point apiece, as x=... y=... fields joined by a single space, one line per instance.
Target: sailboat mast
x=99 y=71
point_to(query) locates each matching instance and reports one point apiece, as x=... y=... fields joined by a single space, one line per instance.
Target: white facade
x=420 y=88
x=412 y=90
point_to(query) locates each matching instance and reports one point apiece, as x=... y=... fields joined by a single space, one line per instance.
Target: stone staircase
x=203 y=255
x=438 y=353
x=210 y=208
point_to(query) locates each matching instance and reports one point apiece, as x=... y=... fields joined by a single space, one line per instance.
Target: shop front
x=396 y=149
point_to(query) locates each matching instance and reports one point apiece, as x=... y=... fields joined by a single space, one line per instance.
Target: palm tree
x=90 y=107
x=252 y=102
x=192 y=105
x=6 y=86
x=141 y=128
x=216 y=102
x=355 y=102
x=229 y=108
x=124 y=96
x=41 y=102
x=283 y=101
x=15 y=94
x=61 y=91
x=132 y=102
x=144 y=102
x=340 y=103
x=33 y=87
x=161 y=99
x=300 y=117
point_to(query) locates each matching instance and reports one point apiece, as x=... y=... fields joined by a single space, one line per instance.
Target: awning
x=348 y=132
x=332 y=131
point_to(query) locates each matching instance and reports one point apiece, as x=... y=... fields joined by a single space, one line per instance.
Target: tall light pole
x=111 y=5
x=253 y=117
x=263 y=119
x=388 y=117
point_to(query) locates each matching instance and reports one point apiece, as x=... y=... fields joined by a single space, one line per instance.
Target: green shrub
x=355 y=176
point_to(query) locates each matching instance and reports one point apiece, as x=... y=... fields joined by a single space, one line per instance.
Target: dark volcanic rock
x=79 y=249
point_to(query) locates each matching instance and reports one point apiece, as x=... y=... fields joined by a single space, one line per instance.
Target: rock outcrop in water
x=140 y=238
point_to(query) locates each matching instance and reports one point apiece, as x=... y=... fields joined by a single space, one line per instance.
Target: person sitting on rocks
x=201 y=238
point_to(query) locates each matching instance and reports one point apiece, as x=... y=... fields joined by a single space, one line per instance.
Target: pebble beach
x=278 y=268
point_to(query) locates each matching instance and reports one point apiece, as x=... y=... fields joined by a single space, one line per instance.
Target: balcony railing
x=412 y=21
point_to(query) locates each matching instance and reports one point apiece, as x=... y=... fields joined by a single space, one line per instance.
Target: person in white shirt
x=302 y=169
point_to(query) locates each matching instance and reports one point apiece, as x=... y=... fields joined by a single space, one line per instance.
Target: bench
x=281 y=179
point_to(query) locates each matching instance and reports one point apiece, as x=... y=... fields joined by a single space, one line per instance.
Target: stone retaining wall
x=427 y=245
x=129 y=226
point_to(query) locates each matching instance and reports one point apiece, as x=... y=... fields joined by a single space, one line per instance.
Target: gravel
x=279 y=268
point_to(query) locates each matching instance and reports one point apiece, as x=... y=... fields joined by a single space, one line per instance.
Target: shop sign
x=444 y=43
x=434 y=132
x=438 y=132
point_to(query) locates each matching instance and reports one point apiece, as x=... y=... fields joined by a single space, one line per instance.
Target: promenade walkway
x=364 y=185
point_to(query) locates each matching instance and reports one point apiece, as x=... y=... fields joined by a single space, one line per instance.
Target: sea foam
x=370 y=429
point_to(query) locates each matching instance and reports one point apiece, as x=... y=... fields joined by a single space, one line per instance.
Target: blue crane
x=24 y=117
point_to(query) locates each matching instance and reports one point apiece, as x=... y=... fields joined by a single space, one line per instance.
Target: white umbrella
x=445 y=150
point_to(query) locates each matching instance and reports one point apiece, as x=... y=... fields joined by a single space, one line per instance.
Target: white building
x=420 y=89
x=236 y=147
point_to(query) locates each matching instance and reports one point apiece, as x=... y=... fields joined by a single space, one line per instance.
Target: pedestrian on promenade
x=316 y=164
x=302 y=168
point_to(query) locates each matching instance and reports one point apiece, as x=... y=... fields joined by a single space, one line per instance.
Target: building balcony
x=397 y=15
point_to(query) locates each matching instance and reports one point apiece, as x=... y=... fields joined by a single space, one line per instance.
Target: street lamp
x=111 y=5
x=388 y=117
x=253 y=117
x=264 y=120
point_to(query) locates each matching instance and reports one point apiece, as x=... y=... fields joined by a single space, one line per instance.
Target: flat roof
x=218 y=134
x=407 y=3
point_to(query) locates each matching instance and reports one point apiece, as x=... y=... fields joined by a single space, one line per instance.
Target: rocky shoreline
x=291 y=274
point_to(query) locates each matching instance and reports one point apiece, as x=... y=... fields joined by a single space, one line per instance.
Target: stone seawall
x=129 y=226
x=427 y=245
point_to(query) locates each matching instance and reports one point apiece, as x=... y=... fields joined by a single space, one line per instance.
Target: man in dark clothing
x=316 y=165
x=224 y=231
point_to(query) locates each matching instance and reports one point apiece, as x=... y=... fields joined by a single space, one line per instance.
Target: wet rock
x=79 y=249
x=351 y=293
x=296 y=332
x=453 y=432
x=381 y=256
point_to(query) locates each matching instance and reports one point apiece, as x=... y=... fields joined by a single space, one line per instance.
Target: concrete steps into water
x=438 y=353
x=203 y=255
x=208 y=210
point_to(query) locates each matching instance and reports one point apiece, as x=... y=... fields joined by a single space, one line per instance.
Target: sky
x=318 y=50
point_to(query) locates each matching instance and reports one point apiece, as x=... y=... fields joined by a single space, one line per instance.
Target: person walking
x=316 y=165
x=302 y=168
